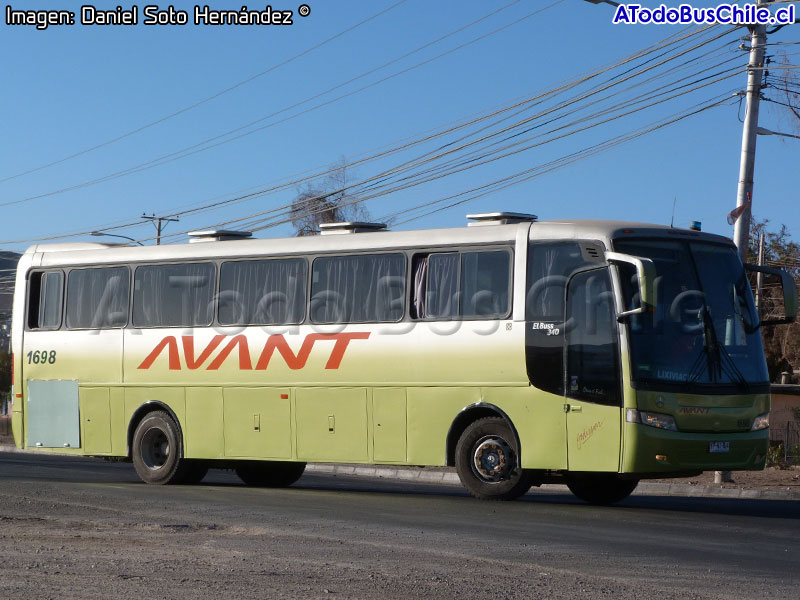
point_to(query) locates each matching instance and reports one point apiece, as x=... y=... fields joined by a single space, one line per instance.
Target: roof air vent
x=217 y=235
x=500 y=218
x=350 y=227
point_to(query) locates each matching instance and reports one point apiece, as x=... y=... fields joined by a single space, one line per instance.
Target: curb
x=448 y=476
x=645 y=488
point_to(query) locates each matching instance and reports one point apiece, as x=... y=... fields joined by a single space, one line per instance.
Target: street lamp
x=762 y=131
x=100 y=233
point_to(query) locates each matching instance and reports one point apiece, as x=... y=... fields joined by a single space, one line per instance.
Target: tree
x=781 y=342
x=786 y=85
x=329 y=200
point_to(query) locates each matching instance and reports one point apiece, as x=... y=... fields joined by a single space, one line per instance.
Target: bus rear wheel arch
x=487 y=460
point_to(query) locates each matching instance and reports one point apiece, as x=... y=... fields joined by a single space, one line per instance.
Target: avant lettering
x=274 y=342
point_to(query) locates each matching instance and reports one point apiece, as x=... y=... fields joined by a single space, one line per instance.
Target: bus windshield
x=705 y=327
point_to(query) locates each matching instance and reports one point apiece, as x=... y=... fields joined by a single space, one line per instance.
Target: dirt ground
x=771 y=478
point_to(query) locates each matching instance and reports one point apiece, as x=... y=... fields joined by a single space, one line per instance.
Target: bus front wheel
x=487 y=461
x=258 y=473
x=601 y=488
x=157 y=451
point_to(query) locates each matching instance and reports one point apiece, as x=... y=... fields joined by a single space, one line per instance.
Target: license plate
x=719 y=447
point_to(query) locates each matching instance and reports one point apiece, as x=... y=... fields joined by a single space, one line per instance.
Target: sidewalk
x=771 y=484
x=690 y=487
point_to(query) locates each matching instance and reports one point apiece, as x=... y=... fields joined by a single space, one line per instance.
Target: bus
x=519 y=351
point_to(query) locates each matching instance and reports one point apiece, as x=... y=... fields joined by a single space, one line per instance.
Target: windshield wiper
x=711 y=352
x=718 y=360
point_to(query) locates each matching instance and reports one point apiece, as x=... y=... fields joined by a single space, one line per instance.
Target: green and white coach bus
x=595 y=353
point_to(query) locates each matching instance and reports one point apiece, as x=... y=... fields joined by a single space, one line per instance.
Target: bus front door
x=592 y=386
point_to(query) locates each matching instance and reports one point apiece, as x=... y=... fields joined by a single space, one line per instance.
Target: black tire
x=258 y=473
x=601 y=488
x=158 y=450
x=486 y=461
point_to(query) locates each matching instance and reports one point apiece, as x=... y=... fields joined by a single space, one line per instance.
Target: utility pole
x=747 y=164
x=159 y=221
x=758 y=42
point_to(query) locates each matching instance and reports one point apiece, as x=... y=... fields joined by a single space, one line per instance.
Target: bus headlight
x=652 y=419
x=760 y=422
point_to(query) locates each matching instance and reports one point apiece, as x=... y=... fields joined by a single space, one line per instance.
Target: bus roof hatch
x=350 y=227
x=500 y=218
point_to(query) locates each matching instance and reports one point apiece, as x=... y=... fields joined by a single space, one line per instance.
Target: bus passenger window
x=262 y=292
x=470 y=285
x=173 y=295
x=98 y=298
x=358 y=289
x=485 y=284
x=44 y=302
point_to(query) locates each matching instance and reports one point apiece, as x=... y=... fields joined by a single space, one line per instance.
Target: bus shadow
x=773 y=509
x=80 y=470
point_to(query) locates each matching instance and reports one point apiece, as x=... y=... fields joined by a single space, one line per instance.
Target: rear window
x=46 y=291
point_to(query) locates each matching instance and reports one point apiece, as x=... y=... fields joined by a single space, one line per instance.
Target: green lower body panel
x=678 y=452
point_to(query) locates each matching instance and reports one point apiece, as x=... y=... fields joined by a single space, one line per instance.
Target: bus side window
x=366 y=288
x=470 y=285
x=98 y=298
x=262 y=292
x=174 y=295
x=45 y=300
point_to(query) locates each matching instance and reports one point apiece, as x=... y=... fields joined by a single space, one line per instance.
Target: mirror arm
x=646 y=274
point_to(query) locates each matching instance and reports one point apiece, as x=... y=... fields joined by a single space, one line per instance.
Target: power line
x=616 y=80
x=208 y=145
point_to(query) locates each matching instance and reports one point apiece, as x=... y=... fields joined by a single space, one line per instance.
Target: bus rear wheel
x=157 y=451
x=601 y=488
x=487 y=463
x=269 y=473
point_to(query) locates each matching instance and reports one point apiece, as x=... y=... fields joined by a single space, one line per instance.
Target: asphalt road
x=82 y=528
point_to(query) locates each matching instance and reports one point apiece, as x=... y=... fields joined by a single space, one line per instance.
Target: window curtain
x=97 y=298
x=263 y=292
x=173 y=295
x=358 y=289
x=441 y=298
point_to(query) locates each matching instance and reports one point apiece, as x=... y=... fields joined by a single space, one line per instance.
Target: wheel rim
x=155 y=449
x=492 y=460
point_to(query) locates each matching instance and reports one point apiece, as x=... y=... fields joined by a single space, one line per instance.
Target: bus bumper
x=649 y=450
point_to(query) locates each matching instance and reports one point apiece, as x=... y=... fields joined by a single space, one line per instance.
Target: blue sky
x=70 y=88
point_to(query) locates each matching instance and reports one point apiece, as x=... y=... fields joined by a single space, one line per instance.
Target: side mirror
x=646 y=275
x=789 y=292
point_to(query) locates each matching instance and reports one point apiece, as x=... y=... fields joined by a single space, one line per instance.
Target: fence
x=789 y=436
